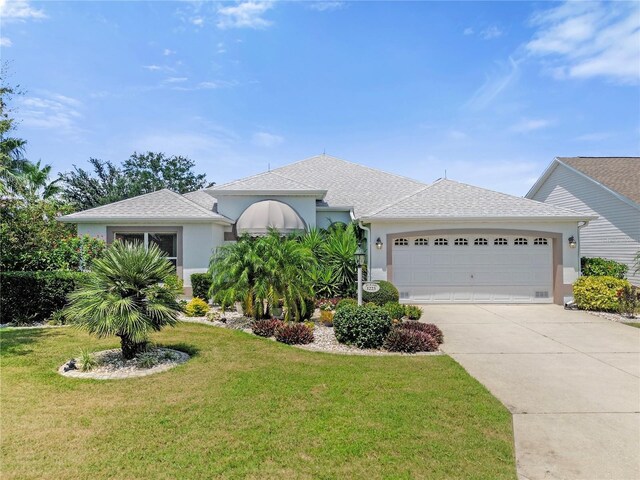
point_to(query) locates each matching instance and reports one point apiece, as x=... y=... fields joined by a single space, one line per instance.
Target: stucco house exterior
x=605 y=187
x=439 y=242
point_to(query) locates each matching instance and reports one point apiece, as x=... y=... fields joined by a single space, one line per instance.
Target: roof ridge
x=350 y=163
x=261 y=174
x=389 y=205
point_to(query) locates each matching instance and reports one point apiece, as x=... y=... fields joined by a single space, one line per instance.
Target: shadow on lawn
x=182 y=347
x=14 y=341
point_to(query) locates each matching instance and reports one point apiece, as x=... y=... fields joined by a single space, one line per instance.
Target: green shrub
x=200 y=284
x=629 y=300
x=409 y=341
x=602 y=267
x=175 y=283
x=361 y=326
x=413 y=312
x=352 y=302
x=387 y=293
x=309 y=308
x=293 y=333
x=146 y=360
x=87 y=361
x=57 y=318
x=31 y=297
x=598 y=293
x=197 y=307
x=395 y=310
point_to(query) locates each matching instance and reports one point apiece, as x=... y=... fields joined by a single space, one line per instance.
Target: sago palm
x=125 y=295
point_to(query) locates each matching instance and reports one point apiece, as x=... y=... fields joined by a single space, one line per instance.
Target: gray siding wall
x=615 y=234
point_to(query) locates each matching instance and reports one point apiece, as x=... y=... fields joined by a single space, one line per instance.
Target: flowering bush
x=598 y=293
x=328 y=304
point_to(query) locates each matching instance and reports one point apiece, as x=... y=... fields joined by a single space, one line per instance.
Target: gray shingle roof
x=267 y=181
x=160 y=205
x=347 y=184
x=449 y=199
x=202 y=198
x=620 y=174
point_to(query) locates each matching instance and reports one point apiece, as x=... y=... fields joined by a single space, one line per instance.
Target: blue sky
x=491 y=92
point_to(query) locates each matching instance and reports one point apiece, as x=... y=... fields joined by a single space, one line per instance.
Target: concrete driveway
x=570 y=379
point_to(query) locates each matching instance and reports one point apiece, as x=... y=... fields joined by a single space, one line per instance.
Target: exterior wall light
x=572 y=242
x=379 y=244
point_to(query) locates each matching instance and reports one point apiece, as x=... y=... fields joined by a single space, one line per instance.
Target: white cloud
x=529 y=125
x=491 y=32
x=167 y=51
x=19 y=10
x=456 y=135
x=197 y=21
x=52 y=111
x=593 y=137
x=326 y=6
x=244 y=15
x=264 y=139
x=494 y=85
x=158 y=68
x=585 y=40
x=468 y=31
x=176 y=79
x=5 y=42
x=220 y=48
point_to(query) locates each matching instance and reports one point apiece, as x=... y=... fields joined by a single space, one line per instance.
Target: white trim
x=542 y=218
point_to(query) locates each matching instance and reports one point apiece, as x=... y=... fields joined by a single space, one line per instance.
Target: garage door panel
x=474 y=273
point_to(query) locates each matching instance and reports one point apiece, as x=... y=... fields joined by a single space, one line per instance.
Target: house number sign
x=370 y=287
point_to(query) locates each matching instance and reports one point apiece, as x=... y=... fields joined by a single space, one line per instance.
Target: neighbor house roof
x=448 y=199
x=620 y=174
x=345 y=184
x=162 y=205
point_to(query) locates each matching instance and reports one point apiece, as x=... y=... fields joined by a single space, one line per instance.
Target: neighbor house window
x=401 y=242
x=461 y=241
x=421 y=241
x=481 y=241
x=520 y=241
x=441 y=241
x=500 y=241
x=166 y=242
x=540 y=241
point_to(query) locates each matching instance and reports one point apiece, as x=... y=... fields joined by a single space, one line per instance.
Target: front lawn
x=245 y=407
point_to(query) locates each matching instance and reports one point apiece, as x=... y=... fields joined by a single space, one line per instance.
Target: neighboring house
x=443 y=242
x=606 y=187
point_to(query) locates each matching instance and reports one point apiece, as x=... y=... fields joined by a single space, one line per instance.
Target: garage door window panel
x=441 y=242
x=520 y=241
x=480 y=242
x=501 y=241
x=461 y=242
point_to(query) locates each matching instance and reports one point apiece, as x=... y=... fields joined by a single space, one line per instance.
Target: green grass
x=245 y=407
x=632 y=324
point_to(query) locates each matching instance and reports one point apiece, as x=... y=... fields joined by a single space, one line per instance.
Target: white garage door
x=473 y=268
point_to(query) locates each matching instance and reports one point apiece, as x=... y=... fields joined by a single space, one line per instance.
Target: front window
x=166 y=242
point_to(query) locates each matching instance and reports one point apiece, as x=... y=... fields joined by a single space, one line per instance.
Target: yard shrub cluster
x=293 y=333
x=395 y=310
x=602 y=267
x=598 y=293
x=364 y=327
x=30 y=297
x=428 y=328
x=387 y=293
x=201 y=283
x=413 y=312
x=196 y=307
x=346 y=302
x=629 y=300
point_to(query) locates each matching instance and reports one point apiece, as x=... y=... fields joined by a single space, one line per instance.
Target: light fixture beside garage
x=379 y=244
x=572 y=242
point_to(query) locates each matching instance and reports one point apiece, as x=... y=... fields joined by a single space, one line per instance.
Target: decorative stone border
x=125 y=368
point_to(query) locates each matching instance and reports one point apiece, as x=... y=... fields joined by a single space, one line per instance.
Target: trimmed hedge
x=602 y=267
x=31 y=297
x=364 y=327
x=387 y=293
x=197 y=307
x=395 y=310
x=598 y=293
x=200 y=284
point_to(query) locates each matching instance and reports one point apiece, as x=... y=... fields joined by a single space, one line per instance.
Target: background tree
x=152 y=171
x=106 y=184
x=139 y=174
